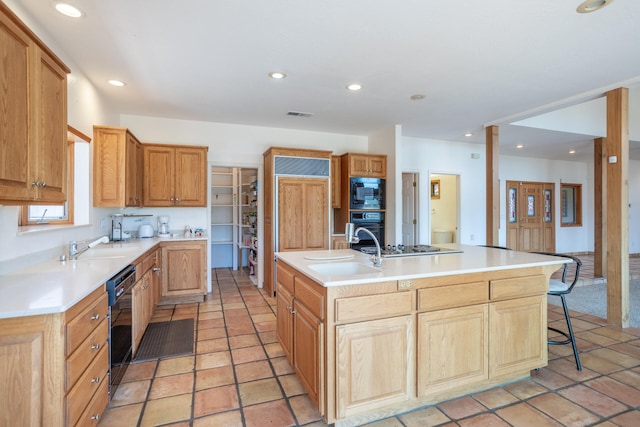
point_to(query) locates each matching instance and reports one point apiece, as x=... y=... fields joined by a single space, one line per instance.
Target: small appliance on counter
x=117 y=232
x=145 y=230
x=163 y=226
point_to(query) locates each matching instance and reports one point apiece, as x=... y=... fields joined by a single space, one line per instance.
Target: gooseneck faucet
x=351 y=236
x=74 y=252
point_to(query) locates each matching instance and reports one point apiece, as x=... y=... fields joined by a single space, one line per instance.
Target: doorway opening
x=410 y=210
x=530 y=219
x=444 y=190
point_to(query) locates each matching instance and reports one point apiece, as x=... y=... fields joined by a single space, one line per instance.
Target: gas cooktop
x=401 y=250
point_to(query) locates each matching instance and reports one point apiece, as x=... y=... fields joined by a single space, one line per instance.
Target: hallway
x=239 y=377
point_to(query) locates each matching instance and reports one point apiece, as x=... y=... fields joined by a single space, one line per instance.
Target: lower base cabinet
x=307 y=343
x=184 y=274
x=374 y=364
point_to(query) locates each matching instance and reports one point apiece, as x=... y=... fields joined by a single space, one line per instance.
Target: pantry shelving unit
x=223 y=211
x=248 y=221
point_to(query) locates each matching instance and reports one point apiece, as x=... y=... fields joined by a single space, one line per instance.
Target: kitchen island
x=368 y=343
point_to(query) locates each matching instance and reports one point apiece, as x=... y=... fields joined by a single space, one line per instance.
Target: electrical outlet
x=405 y=284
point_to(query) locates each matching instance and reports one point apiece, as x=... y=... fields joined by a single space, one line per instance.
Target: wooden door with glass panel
x=530 y=219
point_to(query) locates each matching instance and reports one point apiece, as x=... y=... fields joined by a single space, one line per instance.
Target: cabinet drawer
x=85 y=353
x=284 y=277
x=79 y=328
x=78 y=398
x=147 y=263
x=374 y=307
x=93 y=413
x=519 y=287
x=431 y=299
x=309 y=293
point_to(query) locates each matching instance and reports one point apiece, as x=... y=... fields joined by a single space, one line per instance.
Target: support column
x=492 y=186
x=599 y=208
x=618 y=207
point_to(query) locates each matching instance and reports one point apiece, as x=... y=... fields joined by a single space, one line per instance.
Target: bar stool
x=561 y=288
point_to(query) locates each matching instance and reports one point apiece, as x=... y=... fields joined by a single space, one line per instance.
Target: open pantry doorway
x=235 y=227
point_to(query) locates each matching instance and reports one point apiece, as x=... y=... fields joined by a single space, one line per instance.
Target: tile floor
x=239 y=377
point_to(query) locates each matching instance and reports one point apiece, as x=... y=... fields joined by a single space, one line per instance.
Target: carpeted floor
x=592 y=299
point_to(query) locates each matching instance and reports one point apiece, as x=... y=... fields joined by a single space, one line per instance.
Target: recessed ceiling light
x=468 y=134
x=572 y=151
x=68 y=10
x=354 y=87
x=117 y=83
x=278 y=75
x=592 y=5
x=520 y=146
x=417 y=97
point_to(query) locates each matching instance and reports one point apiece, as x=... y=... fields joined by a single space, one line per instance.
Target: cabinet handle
x=44 y=184
x=95 y=317
x=293 y=312
x=96 y=347
x=95 y=380
x=95 y=417
x=155 y=269
x=177 y=199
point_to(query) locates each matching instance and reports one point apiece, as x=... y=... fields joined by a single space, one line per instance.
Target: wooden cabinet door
x=307 y=350
x=190 y=177
x=183 y=269
x=159 y=175
x=284 y=322
x=524 y=314
x=133 y=183
x=138 y=313
x=15 y=135
x=368 y=374
x=336 y=171
x=50 y=129
x=377 y=166
x=445 y=361
x=359 y=165
x=368 y=165
x=303 y=221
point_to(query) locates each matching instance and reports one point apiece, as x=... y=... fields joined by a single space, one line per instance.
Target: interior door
x=409 y=213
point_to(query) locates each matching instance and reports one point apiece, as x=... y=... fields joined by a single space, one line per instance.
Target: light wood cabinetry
x=33 y=138
x=336 y=180
x=365 y=165
x=271 y=204
x=183 y=271
x=174 y=176
x=142 y=308
x=303 y=214
x=117 y=167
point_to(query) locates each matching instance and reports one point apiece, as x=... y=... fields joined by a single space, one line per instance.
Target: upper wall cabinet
x=366 y=165
x=33 y=113
x=117 y=168
x=175 y=175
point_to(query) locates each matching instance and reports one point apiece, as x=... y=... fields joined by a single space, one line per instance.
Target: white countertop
x=473 y=259
x=54 y=286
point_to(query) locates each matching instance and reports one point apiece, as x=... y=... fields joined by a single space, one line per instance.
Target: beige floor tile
x=524 y=415
x=171 y=386
x=495 y=398
x=593 y=400
x=241 y=341
x=274 y=350
x=123 y=416
x=272 y=414
x=525 y=389
x=176 y=365
x=387 y=422
x=248 y=354
x=225 y=419
x=628 y=419
x=427 y=417
x=140 y=371
x=211 y=346
x=213 y=360
x=167 y=410
x=304 y=409
x=214 y=377
x=259 y=391
x=616 y=357
x=128 y=393
x=253 y=371
x=461 y=408
x=483 y=420
x=268 y=337
x=281 y=366
x=616 y=390
x=214 y=400
x=211 y=333
x=550 y=379
x=562 y=410
x=291 y=385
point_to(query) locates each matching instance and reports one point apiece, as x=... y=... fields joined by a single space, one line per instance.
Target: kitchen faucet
x=74 y=252
x=351 y=236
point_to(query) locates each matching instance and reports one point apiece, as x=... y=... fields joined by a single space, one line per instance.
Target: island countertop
x=472 y=259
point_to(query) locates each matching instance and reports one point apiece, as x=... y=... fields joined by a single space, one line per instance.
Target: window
x=57 y=214
x=571 y=205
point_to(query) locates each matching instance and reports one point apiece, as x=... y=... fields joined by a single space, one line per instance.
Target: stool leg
x=571 y=336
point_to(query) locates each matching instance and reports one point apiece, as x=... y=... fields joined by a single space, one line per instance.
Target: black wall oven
x=119 y=289
x=372 y=221
x=367 y=193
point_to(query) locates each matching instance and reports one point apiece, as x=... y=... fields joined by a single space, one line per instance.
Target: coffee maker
x=163 y=226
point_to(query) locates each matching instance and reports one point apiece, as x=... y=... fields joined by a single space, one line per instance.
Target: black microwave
x=367 y=193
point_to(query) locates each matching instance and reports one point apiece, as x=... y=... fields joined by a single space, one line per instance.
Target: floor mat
x=162 y=339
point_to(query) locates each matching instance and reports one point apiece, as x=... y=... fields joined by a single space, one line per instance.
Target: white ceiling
x=477 y=62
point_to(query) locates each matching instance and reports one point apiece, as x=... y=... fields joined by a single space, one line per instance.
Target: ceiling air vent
x=298 y=114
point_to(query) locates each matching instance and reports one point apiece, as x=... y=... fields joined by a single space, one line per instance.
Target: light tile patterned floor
x=239 y=377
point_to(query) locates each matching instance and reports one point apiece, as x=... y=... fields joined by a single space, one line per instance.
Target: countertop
x=473 y=259
x=54 y=286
